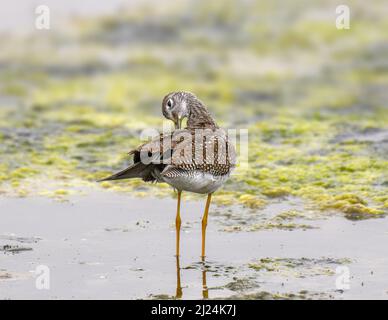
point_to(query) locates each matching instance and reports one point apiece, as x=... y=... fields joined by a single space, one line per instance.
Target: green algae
x=240 y=285
x=265 y=295
x=272 y=217
x=289 y=215
x=299 y=267
x=251 y=201
x=289 y=226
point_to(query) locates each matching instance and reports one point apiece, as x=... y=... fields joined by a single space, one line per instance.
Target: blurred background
x=74 y=99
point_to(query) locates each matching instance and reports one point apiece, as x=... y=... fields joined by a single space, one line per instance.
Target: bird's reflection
x=179 y=293
x=178 y=280
x=205 y=291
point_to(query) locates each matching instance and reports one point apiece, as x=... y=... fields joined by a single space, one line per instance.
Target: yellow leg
x=178 y=279
x=204 y=223
x=178 y=222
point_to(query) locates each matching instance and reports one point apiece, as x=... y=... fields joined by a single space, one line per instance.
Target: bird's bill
x=178 y=123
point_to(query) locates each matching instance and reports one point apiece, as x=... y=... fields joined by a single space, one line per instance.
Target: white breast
x=197 y=182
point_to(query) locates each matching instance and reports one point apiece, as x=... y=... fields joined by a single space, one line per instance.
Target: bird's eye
x=169 y=103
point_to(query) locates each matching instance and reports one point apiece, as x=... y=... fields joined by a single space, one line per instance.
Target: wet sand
x=112 y=246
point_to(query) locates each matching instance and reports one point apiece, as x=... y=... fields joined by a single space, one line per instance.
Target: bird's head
x=176 y=106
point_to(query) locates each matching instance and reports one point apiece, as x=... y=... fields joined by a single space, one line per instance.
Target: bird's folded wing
x=186 y=149
x=183 y=150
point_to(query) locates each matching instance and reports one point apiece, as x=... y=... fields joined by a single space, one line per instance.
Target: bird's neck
x=200 y=117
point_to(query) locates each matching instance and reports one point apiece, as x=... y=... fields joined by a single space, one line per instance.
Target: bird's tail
x=134 y=171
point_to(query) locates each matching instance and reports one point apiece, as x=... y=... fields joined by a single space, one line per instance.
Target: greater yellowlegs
x=198 y=158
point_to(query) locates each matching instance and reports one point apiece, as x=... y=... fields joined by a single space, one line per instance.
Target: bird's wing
x=182 y=149
x=147 y=158
x=207 y=150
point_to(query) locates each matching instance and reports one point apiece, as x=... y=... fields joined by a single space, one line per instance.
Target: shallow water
x=112 y=246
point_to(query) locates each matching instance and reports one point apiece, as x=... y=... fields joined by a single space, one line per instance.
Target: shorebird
x=198 y=158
